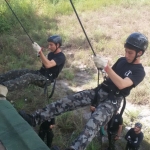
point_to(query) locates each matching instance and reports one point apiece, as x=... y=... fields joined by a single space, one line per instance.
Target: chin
x=129 y=61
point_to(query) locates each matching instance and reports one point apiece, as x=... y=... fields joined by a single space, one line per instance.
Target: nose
x=126 y=54
x=48 y=46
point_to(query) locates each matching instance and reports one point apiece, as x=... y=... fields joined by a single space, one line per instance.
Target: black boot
x=29 y=118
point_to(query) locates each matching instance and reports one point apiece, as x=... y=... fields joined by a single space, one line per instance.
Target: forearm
x=43 y=59
x=47 y=63
x=117 y=80
x=119 y=130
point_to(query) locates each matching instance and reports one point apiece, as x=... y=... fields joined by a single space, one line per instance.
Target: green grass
x=68 y=126
x=32 y=11
x=67 y=74
x=132 y=114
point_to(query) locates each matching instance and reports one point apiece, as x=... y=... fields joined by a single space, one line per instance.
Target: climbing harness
x=121 y=111
x=19 y=21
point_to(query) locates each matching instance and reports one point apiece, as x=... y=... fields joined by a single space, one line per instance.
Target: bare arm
x=117 y=80
x=119 y=130
x=47 y=63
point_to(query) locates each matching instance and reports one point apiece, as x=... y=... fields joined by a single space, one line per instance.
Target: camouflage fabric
x=100 y=117
x=17 y=79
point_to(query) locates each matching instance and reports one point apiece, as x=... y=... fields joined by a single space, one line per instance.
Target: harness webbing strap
x=46 y=89
x=52 y=92
x=121 y=112
x=124 y=105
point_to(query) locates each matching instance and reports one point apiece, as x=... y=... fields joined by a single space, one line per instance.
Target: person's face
x=52 y=46
x=137 y=129
x=130 y=55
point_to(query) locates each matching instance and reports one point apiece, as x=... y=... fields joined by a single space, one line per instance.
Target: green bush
x=4 y=25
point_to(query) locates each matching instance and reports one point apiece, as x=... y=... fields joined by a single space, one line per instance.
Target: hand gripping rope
x=19 y=21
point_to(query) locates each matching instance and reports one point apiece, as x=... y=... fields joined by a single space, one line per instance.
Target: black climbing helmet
x=137 y=42
x=55 y=39
x=138 y=124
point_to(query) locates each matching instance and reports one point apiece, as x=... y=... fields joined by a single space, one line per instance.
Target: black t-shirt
x=136 y=139
x=124 y=69
x=114 y=123
x=46 y=124
x=53 y=72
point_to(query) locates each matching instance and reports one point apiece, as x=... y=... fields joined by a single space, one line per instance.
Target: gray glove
x=100 y=62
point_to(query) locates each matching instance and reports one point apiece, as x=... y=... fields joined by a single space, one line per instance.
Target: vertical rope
x=19 y=21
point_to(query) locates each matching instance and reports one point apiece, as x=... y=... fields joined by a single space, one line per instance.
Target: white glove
x=36 y=47
x=100 y=62
x=3 y=91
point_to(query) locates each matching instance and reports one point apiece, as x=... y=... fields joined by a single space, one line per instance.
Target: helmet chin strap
x=136 y=56
x=56 y=48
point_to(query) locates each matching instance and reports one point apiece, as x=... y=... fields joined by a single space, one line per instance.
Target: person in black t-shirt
x=114 y=129
x=105 y=99
x=46 y=130
x=51 y=67
x=134 y=137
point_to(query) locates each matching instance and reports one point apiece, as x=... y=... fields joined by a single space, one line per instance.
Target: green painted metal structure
x=15 y=132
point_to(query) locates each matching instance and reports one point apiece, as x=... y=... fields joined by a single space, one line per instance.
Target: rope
x=19 y=21
x=82 y=27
